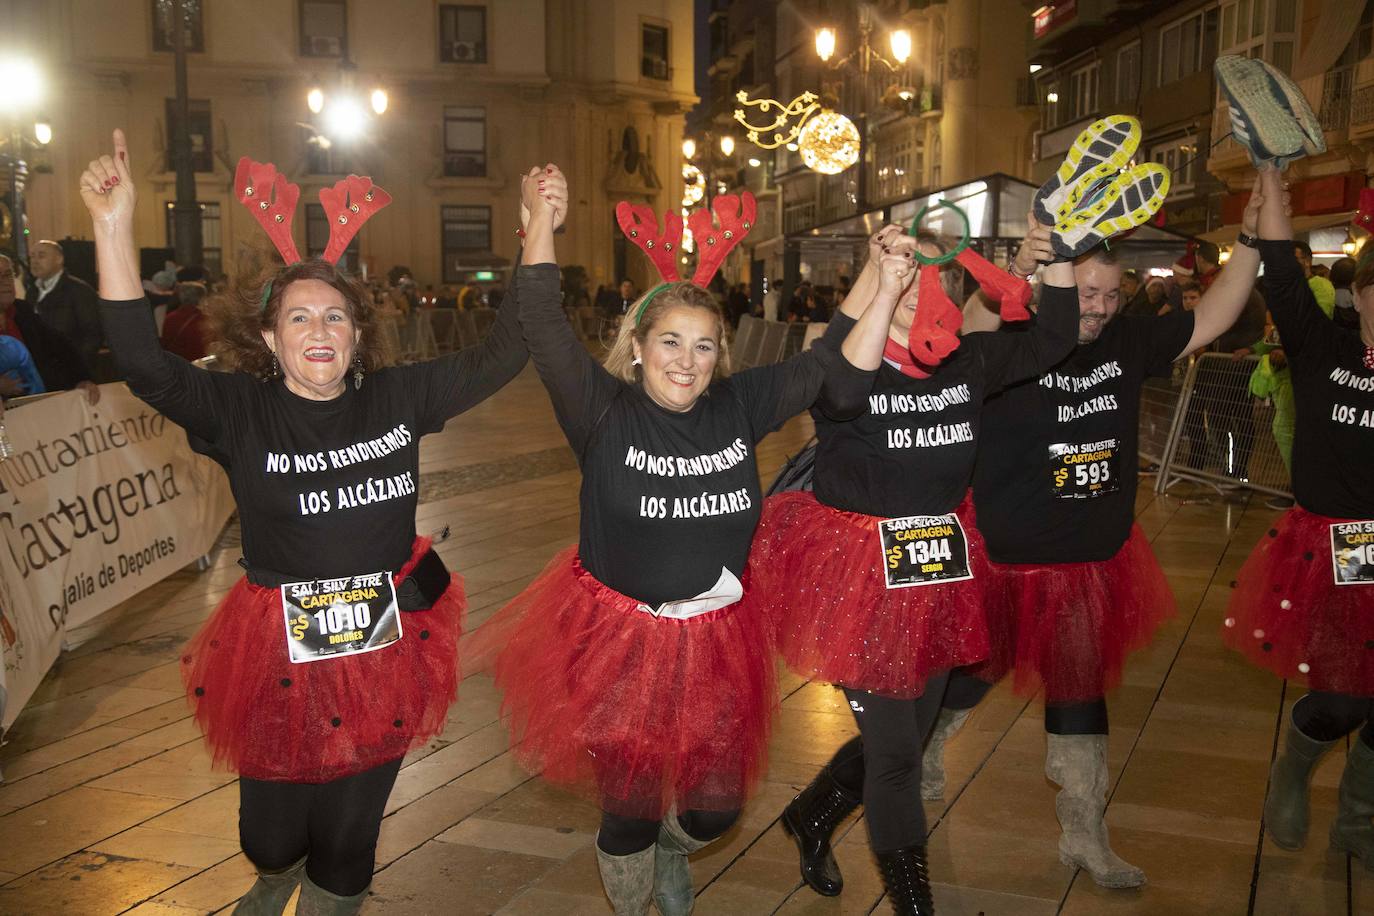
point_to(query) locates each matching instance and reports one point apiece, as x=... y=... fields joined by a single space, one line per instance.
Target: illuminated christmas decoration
x=797 y=111
x=693 y=184
x=829 y=143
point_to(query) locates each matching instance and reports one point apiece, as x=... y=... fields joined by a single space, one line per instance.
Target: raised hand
x=107 y=187
x=1035 y=247
x=896 y=266
x=882 y=240
x=543 y=190
x=555 y=193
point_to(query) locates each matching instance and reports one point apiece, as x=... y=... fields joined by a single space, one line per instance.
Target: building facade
x=478 y=92
x=956 y=109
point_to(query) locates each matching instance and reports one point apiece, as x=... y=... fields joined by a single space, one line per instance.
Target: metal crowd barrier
x=1219 y=434
x=759 y=342
x=426 y=333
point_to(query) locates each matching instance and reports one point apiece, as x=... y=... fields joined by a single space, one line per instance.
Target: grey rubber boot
x=1286 y=808
x=947 y=725
x=1078 y=764
x=672 y=876
x=1353 y=830
x=316 y=901
x=628 y=880
x=269 y=894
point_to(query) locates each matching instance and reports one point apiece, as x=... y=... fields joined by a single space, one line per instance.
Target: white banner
x=98 y=503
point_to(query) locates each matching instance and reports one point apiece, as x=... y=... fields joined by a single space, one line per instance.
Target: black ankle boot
x=907 y=879
x=810 y=820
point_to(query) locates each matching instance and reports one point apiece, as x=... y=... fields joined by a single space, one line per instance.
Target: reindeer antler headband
x=736 y=215
x=272 y=201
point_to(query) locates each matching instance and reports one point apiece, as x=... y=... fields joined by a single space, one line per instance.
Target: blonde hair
x=620 y=361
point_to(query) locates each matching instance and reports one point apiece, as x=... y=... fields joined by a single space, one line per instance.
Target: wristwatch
x=1249 y=241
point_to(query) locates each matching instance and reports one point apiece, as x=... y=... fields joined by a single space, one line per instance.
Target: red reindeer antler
x=736 y=215
x=640 y=225
x=272 y=201
x=350 y=203
x=934 y=332
x=1011 y=293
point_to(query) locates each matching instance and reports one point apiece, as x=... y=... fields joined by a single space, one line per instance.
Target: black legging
x=1088 y=717
x=892 y=736
x=334 y=824
x=624 y=836
x=1325 y=716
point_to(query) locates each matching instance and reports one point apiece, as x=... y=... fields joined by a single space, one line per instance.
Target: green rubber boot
x=628 y=880
x=269 y=894
x=672 y=877
x=316 y=901
x=947 y=725
x=1286 y=808
x=1353 y=831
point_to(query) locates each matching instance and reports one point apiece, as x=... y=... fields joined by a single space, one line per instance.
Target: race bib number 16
x=1352 y=553
x=923 y=549
x=328 y=618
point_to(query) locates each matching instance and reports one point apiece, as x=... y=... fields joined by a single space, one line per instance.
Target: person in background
x=1157 y=292
x=65 y=303
x=183 y=330
x=1207 y=257
x=737 y=304
x=627 y=297
x=1134 y=299
x=1342 y=276
x=55 y=357
x=1323 y=290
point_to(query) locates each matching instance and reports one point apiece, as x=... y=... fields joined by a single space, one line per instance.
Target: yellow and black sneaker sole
x=1103 y=149
x=1128 y=201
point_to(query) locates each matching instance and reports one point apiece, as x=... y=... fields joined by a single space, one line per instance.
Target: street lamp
x=21 y=91
x=899 y=42
x=727 y=145
x=689 y=148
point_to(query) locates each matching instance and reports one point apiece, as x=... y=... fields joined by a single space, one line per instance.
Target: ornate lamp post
x=863 y=57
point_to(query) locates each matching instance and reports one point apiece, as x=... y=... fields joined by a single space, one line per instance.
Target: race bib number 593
x=1083 y=470
x=328 y=618
x=1352 y=553
x=923 y=549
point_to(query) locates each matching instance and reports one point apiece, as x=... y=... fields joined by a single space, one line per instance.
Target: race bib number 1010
x=923 y=550
x=1352 y=553
x=328 y=618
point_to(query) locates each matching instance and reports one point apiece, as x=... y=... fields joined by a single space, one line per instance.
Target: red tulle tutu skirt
x=820 y=576
x=1288 y=615
x=266 y=718
x=1067 y=628
x=641 y=714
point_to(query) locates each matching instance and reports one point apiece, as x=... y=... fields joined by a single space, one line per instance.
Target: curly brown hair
x=237 y=317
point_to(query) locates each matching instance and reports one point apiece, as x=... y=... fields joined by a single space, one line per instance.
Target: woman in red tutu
x=637 y=668
x=1303 y=606
x=337 y=652
x=876 y=583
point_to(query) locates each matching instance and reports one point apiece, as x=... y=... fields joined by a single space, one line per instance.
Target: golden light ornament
x=687 y=243
x=693 y=184
x=829 y=143
x=796 y=111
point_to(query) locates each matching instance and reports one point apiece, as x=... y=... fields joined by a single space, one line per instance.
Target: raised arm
x=1225 y=300
x=1296 y=313
x=185 y=394
x=1010 y=358
x=578 y=386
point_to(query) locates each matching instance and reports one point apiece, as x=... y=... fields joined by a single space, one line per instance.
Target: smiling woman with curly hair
x=305 y=680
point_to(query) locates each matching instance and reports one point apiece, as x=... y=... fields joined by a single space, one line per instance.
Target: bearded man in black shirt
x=1054 y=489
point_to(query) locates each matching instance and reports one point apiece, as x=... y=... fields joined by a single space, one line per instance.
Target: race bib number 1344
x=923 y=550
x=328 y=618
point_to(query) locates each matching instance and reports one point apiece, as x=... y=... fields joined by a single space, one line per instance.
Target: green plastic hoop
x=953 y=253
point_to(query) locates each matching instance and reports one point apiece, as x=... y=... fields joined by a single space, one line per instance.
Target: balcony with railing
x=1361 y=118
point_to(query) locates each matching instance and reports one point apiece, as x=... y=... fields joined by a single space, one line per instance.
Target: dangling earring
x=276 y=366
x=357 y=372
x=636 y=361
